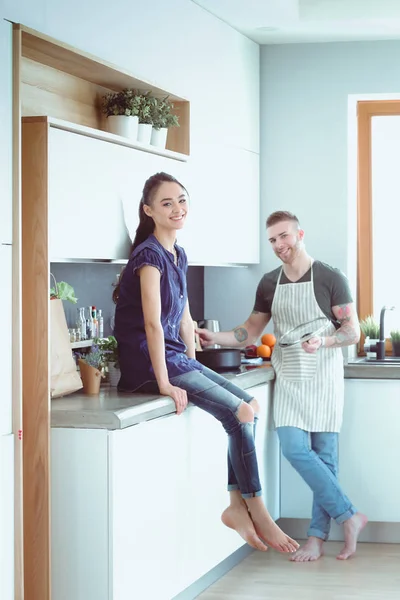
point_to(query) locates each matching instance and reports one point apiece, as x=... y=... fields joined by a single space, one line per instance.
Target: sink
x=371 y=362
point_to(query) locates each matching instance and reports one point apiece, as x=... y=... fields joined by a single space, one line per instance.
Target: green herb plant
x=109 y=348
x=124 y=103
x=370 y=328
x=162 y=114
x=395 y=335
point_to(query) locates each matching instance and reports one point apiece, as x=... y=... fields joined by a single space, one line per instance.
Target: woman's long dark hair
x=146 y=223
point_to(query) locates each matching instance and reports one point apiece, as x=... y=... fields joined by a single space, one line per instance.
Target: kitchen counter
x=360 y=368
x=117 y=410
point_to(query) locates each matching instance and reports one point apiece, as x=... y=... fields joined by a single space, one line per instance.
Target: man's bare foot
x=352 y=529
x=273 y=535
x=237 y=517
x=312 y=550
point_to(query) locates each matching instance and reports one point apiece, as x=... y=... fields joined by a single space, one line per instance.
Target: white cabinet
x=150 y=537
x=210 y=541
x=136 y=512
x=224 y=222
x=86 y=217
x=5 y=346
x=368 y=454
x=95 y=189
x=369 y=447
x=6 y=132
x=7 y=517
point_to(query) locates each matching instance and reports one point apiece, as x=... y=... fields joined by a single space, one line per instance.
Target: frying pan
x=219 y=359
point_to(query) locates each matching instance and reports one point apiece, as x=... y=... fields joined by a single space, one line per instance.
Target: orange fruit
x=268 y=339
x=264 y=351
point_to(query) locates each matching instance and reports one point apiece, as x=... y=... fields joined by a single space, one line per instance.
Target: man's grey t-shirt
x=331 y=288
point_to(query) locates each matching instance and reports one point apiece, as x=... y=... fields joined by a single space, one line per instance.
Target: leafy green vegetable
x=64 y=291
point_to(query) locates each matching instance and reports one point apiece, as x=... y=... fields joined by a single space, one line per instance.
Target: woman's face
x=169 y=206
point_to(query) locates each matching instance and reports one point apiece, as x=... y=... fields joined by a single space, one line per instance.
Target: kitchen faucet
x=380 y=346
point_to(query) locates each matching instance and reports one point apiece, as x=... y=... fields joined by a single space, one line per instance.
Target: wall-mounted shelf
x=110 y=137
x=67 y=84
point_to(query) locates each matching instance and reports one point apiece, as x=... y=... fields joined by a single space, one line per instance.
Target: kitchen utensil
x=210 y=324
x=220 y=359
x=304 y=332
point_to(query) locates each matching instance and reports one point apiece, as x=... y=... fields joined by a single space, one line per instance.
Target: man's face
x=286 y=240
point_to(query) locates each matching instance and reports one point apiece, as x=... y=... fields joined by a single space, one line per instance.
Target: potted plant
x=395 y=337
x=122 y=110
x=163 y=118
x=146 y=110
x=109 y=347
x=370 y=329
x=91 y=367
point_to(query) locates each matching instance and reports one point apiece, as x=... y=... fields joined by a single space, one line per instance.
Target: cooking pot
x=219 y=359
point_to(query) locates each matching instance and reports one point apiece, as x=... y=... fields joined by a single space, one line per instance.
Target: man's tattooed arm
x=349 y=330
x=241 y=334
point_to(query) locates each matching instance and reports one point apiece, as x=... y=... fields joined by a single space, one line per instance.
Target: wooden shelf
x=67 y=84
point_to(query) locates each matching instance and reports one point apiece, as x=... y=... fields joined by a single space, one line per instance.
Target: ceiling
x=300 y=21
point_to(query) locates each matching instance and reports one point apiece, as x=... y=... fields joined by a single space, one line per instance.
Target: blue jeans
x=221 y=398
x=315 y=458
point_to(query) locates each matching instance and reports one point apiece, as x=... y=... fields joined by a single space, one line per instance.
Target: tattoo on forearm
x=255 y=312
x=348 y=333
x=240 y=334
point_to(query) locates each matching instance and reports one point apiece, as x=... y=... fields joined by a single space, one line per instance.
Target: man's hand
x=312 y=345
x=207 y=338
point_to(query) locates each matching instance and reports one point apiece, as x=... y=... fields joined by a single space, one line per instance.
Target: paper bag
x=64 y=378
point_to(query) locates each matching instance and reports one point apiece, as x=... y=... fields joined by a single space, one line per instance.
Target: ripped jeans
x=221 y=398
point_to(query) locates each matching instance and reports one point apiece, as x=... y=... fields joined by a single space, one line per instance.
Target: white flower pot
x=122 y=125
x=144 y=133
x=159 y=137
x=114 y=375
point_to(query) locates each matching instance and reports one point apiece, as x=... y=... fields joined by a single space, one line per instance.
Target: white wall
x=304 y=105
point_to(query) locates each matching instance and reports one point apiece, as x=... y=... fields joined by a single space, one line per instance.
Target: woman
x=155 y=335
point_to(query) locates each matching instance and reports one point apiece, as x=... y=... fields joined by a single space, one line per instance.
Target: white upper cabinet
x=5 y=132
x=224 y=222
x=86 y=219
x=95 y=189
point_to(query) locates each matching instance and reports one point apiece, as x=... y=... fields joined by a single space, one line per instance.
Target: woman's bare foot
x=237 y=517
x=312 y=550
x=352 y=529
x=273 y=535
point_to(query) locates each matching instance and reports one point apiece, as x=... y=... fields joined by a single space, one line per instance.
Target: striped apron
x=309 y=388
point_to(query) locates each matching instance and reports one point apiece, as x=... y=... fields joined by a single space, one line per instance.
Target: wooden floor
x=373 y=574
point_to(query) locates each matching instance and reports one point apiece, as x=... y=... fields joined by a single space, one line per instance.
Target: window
x=379 y=209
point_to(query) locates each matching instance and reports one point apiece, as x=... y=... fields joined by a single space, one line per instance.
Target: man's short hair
x=282 y=215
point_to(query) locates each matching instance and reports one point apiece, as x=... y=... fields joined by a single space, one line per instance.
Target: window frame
x=366 y=109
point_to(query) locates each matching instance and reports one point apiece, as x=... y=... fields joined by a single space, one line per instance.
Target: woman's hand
x=206 y=337
x=178 y=395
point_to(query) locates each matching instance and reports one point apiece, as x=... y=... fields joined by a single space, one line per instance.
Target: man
x=309 y=386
